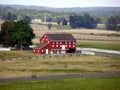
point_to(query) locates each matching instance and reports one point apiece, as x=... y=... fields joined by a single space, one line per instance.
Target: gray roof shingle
x=61 y=37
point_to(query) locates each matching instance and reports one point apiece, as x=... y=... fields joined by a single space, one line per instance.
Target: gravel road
x=69 y=76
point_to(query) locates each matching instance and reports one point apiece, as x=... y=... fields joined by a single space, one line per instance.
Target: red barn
x=56 y=44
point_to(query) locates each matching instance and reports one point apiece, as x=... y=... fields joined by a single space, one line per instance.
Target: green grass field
x=99 y=44
x=68 y=84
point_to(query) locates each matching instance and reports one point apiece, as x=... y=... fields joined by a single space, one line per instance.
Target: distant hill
x=53 y=13
x=75 y=10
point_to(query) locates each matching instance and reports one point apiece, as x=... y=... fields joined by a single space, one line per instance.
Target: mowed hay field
x=79 y=34
x=57 y=66
x=110 y=45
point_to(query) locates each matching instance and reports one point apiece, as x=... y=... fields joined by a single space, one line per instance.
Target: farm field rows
x=79 y=34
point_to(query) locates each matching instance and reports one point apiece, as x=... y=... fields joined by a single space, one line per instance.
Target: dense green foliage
x=17 y=34
x=113 y=23
x=85 y=21
x=70 y=84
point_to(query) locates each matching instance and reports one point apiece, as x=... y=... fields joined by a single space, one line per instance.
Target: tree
x=64 y=22
x=18 y=34
x=82 y=21
x=26 y=19
x=49 y=26
x=5 y=34
x=9 y=16
x=113 y=23
x=59 y=20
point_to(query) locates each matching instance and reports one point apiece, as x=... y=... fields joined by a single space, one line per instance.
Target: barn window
x=52 y=45
x=73 y=45
x=38 y=50
x=73 y=42
x=42 y=50
x=56 y=45
x=69 y=42
x=48 y=41
x=60 y=42
x=65 y=42
x=33 y=50
x=69 y=45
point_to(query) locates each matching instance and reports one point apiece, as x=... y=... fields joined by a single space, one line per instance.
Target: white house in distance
x=35 y=20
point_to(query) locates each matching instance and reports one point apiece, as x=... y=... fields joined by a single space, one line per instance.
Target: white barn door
x=46 y=51
x=63 y=49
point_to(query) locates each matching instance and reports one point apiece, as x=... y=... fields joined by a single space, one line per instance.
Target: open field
x=59 y=65
x=99 y=44
x=69 y=84
x=88 y=38
x=79 y=34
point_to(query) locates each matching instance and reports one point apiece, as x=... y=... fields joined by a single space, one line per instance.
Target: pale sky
x=64 y=3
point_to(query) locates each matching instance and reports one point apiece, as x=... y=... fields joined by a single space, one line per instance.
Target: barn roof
x=41 y=45
x=61 y=37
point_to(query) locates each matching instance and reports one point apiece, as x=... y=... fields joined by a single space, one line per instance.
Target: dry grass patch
x=16 y=54
x=65 y=65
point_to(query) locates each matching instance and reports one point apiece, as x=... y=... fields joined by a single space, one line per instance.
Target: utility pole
x=44 y=18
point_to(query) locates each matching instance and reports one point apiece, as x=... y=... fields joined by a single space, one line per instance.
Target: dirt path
x=69 y=76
